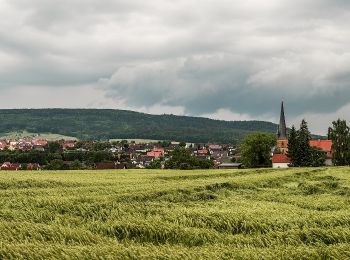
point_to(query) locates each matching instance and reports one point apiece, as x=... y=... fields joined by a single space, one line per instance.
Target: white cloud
x=227 y=59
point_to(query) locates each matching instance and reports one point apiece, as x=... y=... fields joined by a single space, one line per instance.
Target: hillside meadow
x=155 y=214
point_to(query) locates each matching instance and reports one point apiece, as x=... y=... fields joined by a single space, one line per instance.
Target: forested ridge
x=102 y=124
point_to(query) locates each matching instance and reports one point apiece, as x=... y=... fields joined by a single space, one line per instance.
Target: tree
x=318 y=157
x=293 y=144
x=76 y=165
x=303 y=156
x=299 y=150
x=54 y=147
x=256 y=149
x=340 y=135
x=156 y=164
x=181 y=159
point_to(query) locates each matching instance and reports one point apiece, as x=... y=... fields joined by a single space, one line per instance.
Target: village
x=115 y=154
x=32 y=153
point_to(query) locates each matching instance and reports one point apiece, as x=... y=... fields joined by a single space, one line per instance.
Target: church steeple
x=282 y=128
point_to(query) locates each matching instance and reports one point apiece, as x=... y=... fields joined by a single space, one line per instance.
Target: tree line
x=105 y=124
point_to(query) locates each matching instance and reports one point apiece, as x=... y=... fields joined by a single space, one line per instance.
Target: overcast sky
x=232 y=60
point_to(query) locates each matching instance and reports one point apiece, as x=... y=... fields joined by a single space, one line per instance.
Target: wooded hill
x=103 y=124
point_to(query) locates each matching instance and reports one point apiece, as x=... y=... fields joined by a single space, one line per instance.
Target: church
x=280 y=157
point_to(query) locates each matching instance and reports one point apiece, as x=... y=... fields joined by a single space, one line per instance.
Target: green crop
x=299 y=213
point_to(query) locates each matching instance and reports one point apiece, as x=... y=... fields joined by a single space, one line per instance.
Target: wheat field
x=157 y=214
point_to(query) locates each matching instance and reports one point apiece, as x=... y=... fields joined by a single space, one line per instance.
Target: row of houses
x=138 y=155
x=142 y=155
x=8 y=166
x=28 y=144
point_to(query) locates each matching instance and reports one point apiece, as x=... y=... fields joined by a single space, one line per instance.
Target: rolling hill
x=103 y=124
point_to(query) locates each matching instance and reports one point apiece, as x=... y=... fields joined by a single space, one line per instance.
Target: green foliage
x=256 y=150
x=317 y=157
x=157 y=214
x=102 y=124
x=54 y=147
x=340 y=135
x=156 y=164
x=181 y=159
x=299 y=150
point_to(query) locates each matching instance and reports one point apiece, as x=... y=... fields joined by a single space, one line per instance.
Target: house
x=201 y=154
x=230 y=166
x=38 y=142
x=3 y=145
x=33 y=167
x=280 y=161
x=155 y=154
x=325 y=146
x=69 y=144
x=110 y=166
x=105 y=166
x=7 y=166
x=215 y=147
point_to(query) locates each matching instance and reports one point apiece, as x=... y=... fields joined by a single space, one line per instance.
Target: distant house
x=7 y=166
x=3 y=145
x=69 y=144
x=110 y=166
x=33 y=167
x=155 y=154
x=202 y=154
x=215 y=147
x=325 y=146
x=230 y=166
x=280 y=161
x=41 y=143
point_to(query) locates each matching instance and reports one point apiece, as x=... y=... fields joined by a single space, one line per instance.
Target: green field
x=208 y=214
x=137 y=141
x=46 y=136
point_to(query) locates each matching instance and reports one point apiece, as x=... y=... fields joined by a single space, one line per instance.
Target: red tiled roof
x=155 y=154
x=324 y=145
x=280 y=158
x=158 y=149
x=202 y=151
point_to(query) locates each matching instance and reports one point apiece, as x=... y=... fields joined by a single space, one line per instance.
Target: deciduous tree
x=256 y=149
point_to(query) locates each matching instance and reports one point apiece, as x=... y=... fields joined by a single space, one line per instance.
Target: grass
x=213 y=214
x=46 y=136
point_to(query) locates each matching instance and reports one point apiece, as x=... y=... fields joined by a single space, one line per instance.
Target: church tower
x=282 y=137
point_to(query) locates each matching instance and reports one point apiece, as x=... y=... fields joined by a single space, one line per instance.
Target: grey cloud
x=204 y=56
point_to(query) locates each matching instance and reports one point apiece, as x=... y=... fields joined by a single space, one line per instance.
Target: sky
x=223 y=59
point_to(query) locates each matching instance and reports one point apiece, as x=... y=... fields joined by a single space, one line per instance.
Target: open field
x=46 y=136
x=249 y=214
x=137 y=141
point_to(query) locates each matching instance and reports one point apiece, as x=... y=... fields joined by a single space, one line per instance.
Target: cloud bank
x=223 y=59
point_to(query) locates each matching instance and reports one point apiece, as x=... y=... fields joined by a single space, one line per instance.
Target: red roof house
x=155 y=154
x=7 y=166
x=324 y=145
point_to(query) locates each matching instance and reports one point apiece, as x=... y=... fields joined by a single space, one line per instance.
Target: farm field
x=204 y=214
x=46 y=136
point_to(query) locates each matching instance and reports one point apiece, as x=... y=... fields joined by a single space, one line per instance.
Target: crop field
x=46 y=136
x=154 y=214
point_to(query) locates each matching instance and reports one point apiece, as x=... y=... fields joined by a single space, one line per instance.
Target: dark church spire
x=282 y=128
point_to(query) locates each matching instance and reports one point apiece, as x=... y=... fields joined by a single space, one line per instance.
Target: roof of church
x=282 y=128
